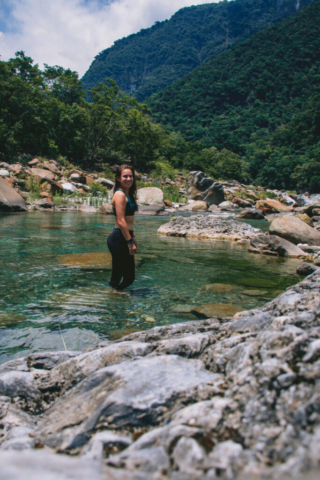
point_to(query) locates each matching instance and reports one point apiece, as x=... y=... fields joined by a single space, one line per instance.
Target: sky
x=71 y=32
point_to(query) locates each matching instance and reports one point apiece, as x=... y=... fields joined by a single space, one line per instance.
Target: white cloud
x=71 y=32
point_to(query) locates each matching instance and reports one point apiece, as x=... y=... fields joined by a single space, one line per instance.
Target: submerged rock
x=100 y=261
x=217 y=310
x=218 y=288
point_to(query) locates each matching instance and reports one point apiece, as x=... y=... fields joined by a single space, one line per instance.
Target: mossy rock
x=90 y=261
x=11 y=319
x=255 y=293
x=257 y=282
x=218 y=288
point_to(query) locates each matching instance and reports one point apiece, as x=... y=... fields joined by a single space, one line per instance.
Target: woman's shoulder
x=119 y=196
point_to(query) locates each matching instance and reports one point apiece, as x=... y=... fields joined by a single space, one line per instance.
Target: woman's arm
x=120 y=202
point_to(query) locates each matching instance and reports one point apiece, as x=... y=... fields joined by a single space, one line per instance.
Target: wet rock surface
x=10 y=200
x=208 y=227
x=217 y=398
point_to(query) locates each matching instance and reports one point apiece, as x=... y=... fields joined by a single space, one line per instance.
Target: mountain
x=260 y=99
x=155 y=57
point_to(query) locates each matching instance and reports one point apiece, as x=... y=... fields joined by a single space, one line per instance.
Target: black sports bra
x=130 y=206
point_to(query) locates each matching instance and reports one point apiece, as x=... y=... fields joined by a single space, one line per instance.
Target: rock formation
x=208 y=227
x=201 y=187
x=228 y=398
x=296 y=231
x=10 y=200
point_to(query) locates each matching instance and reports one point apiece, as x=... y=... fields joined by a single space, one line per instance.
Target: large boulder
x=86 y=209
x=41 y=173
x=106 y=209
x=199 y=206
x=293 y=229
x=150 y=196
x=273 y=206
x=273 y=245
x=106 y=182
x=10 y=200
x=201 y=187
x=68 y=187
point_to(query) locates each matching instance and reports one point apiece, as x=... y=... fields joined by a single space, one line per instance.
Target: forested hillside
x=154 y=58
x=260 y=99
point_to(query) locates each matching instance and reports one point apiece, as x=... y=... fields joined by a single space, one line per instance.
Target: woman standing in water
x=122 y=242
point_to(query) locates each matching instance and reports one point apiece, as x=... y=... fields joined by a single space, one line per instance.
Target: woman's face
x=126 y=179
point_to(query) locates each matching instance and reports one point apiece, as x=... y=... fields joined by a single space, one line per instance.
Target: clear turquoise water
x=45 y=305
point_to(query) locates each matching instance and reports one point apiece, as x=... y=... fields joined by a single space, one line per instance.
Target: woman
x=122 y=242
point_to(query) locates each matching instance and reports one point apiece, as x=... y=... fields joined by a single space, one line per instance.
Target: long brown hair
x=133 y=188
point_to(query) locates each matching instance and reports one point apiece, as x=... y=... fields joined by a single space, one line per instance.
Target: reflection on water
x=54 y=281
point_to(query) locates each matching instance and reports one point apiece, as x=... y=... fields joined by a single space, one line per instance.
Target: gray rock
x=106 y=209
x=208 y=227
x=151 y=210
x=86 y=209
x=10 y=200
x=201 y=187
x=306 y=268
x=246 y=404
x=150 y=196
x=68 y=187
x=251 y=213
x=294 y=230
x=273 y=245
x=227 y=205
x=4 y=173
x=106 y=182
x=138 y=391
x=45 y=465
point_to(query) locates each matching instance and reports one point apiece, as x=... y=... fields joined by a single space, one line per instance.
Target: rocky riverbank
x=219 y=398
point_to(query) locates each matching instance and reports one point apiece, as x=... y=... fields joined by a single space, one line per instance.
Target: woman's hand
x=132 y=248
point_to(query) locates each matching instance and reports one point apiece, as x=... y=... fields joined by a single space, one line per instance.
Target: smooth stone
x=182 y=308
x=45 y=465
x=274 y=245
x=151 y=210
x=273 y=206
x=4 y=173
x=86 y=209
x=42 y=173
x=150 y=196
x=227 y=205
x=68 y=187
x=294 y=230
x=217 y=310
x=199 y=206
x=106 y=209
x=105 y=182
x=10 y=200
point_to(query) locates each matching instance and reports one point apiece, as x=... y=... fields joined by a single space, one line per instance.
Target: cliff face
x=152 y=59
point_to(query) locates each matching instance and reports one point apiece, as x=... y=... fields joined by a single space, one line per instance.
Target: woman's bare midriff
x=129 y=221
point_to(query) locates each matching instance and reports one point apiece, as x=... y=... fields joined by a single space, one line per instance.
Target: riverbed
x=51 y=301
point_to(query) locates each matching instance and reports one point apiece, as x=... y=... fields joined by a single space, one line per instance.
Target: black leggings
x=123 y=266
